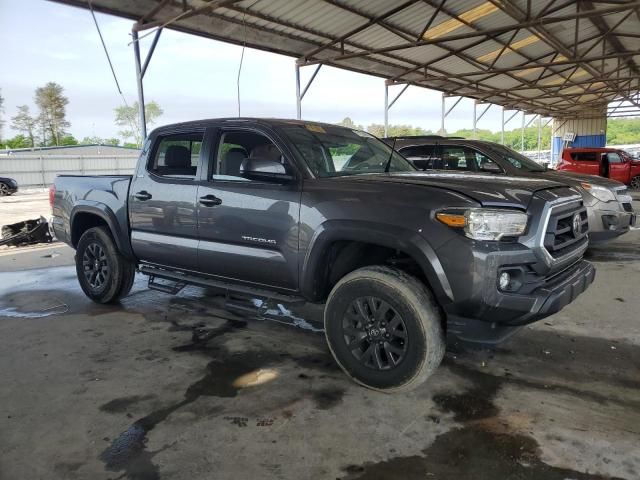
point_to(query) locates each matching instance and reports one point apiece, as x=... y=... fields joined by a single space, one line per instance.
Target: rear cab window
x=176 y=155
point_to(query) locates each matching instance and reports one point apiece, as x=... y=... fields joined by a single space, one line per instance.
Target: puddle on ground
x=226 y=375
x=31 y=305
x=484 y=444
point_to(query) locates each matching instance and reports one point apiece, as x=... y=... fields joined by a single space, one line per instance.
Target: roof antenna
x=393 y=149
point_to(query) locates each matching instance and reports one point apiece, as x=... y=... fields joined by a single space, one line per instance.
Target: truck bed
x=105 y=195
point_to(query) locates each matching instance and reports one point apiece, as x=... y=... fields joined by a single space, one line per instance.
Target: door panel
x=162 y=203
x=250 y=233
x=618 y=170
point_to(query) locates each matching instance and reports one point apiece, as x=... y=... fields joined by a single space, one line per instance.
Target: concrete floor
x=186 y=387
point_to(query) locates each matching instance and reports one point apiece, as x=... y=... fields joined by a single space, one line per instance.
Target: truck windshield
x=332 y=151
x=516 y=159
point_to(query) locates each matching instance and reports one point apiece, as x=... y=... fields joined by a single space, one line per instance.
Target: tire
x=404 y=322
x=103 y=273
x=4 y=189
x=635 y=183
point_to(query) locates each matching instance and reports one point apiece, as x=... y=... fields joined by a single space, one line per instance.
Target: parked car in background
x=608 y=204
x=303 y=211
x=604 y=162
x=8 y=186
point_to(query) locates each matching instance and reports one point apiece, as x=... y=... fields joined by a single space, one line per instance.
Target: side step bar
x=182 y=279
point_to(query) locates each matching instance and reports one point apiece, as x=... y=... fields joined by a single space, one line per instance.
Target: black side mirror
x=491 y=167
x=265 y=170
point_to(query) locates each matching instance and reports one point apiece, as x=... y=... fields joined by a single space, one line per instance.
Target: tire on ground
x=425 y=341
x=118 y=281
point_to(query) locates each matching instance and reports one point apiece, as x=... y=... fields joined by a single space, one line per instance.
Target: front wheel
x=635 y=182
x=4 y=189
x=103 y=273
x=384 y=329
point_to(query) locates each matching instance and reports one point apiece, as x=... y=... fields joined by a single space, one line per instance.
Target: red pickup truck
x=605 y=162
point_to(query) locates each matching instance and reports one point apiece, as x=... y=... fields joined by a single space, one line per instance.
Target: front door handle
x=142 y=195
x=210 y=201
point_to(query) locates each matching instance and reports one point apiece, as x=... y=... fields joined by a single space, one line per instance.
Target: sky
x=189 y=77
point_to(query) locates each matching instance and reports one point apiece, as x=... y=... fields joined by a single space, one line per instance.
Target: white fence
x=33 y=170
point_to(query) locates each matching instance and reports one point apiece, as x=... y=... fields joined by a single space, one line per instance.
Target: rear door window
x=455 y=157
x=423 y=157
x=177 y=155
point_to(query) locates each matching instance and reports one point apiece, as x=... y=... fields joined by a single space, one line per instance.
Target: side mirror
x=490 y=167
x=265 y=170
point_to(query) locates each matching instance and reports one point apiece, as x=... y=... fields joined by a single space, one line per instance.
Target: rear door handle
x=210 y=201
x=142 y=195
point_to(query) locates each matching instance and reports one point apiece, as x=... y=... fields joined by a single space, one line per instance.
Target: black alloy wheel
x=375 y=333
x=95 y=266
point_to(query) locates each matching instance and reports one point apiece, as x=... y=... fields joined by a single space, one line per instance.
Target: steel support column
x=502 y=128
x=141 y=114
x=388 y=105
x=301 y=93
x=446 y=113
x=522 y=133
x=476 y=118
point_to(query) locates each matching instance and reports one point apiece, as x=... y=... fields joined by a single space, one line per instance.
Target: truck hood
x=489 y=190
x=575 y=179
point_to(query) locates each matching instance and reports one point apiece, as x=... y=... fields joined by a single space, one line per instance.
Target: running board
x=182 y=279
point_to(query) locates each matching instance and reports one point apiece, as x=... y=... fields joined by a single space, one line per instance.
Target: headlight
x=486 y=224
x=601 y=193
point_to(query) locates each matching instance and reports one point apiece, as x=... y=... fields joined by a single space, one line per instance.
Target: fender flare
x=104 y=213
x=406 y=241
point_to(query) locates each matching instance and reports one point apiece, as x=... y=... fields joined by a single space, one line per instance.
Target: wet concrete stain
x=614 y=252
x=470 y=453
x=32 y=304
x=121 y=405
x=128 y=453
x=482 y=447
x=328 y=398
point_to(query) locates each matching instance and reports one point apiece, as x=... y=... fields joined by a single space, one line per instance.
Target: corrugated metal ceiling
x=520 y=54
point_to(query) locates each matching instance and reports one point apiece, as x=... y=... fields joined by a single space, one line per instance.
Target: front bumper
x=485 y=314
x=608 y=220
x=607 y=224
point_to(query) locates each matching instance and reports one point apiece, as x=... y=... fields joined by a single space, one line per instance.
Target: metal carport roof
x=551 y=57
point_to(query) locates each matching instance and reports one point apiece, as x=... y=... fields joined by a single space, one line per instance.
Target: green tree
x=347 y=122
x=52 y=104
x=19 y=141
x=622 y=131
x=397 y=130
x=128 y=119
x=24 y=123
x=100 y=141
x=68 y=139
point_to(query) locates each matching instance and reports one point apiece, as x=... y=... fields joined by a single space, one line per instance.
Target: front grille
x=627 y=207
x=561 y=237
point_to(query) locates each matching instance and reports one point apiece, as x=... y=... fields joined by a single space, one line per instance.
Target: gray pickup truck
x=295 y=210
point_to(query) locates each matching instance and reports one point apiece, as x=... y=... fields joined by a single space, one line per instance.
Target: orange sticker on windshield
x=315 y=128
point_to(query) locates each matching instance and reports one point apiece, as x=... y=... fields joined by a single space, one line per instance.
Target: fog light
x=504 y=280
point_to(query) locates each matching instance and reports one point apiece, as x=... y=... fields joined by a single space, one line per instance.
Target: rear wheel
x=635 y=182
x=103 y=273
x=384 y=329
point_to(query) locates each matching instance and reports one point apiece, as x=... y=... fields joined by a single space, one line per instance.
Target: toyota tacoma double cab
x=294 y=210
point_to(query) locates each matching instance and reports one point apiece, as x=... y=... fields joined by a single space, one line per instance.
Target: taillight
x=52 y=195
